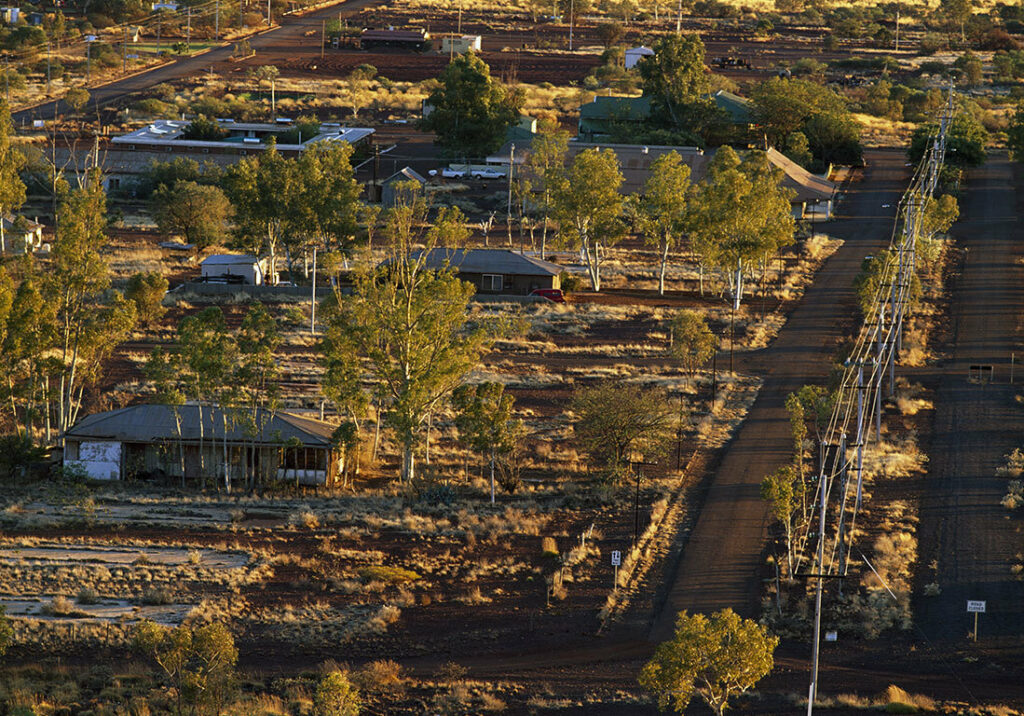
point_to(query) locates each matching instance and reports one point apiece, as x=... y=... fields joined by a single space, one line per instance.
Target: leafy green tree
x=77 y=284
x=261 y=189
x=12 y=188
x=326 y=202
x=545 y=162
x=196 y=212
x=76 y=98
x=470 y=110
x=662 y=208
x=782 y=491
x=939 y=214
x=716 y=657
x=615 y=418
x=693 y=343
x=485 y=422
x=965 y=141
x=797 y=428
x=957 y=13
x=199 y=663
x=741 y=213
x=588 y=207
x=610 y=33
x=207 y=354
x=406 y=325
x=1015 y=134
x=179 y=169
x=335 y=695
x=147 y=290
x=256 y=372
x=675 y=76
x=784 y=106
x=204 y=130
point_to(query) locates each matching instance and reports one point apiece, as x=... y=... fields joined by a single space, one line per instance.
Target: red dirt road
x=722 y=563
x=963 y=526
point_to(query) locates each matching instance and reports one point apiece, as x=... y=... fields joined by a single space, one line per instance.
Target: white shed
x=223 y=265
x=635 y=54
x=461 y=45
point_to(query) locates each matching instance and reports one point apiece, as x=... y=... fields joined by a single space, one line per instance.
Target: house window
x=492 y=282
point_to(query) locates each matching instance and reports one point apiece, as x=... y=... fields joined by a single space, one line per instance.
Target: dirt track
x=721 y=566
x=963 y=526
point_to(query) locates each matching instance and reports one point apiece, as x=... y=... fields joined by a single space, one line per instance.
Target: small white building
x=243 y=268
x=635 y=54
x=461 y=45
x=20 y=235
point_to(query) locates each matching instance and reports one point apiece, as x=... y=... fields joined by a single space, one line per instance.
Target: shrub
x=382 y=676
x=157 y=596
x=147 y=291
x=59 y=606
x=570 y=282
x=388 y=575
x=88 y=595
x=336 y=696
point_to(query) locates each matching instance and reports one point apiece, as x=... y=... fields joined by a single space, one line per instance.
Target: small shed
x=248 y=267
x=635 y=54
x=389 y=187
x=20 y=235
x=496 y=271
x=205 y=441
x=461 y=45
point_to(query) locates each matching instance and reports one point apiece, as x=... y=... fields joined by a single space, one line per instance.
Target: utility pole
x=216 y=19
x=897 y=25
x=48 y=68
x=88 y=62
x=816 y=646
x=7 y=78
x=572 y=17
x=312 y=301
x=679 y=18
x=124 y=52
x=511 y=170
x=188 y=29
x=269 y=21
x=323 y=37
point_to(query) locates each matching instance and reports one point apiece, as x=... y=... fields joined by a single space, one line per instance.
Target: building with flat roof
x=241 y=138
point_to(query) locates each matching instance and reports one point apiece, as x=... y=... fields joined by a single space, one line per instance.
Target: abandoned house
x=496 y=271
x=233 y=446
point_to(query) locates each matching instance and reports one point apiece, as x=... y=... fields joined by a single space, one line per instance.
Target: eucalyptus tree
x=588 y=207
x=405 y=327
x=545 y=161
x=12 y=188
x=741 y=213
x=485 y=421
x=662 y=209
x=262 y=190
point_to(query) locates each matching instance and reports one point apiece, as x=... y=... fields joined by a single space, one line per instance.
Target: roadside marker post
x=616 y=561
x=975 y=607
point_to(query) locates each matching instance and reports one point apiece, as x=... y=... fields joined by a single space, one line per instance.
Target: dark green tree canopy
x=675 y=76
x=965 y=141
x=471 y=110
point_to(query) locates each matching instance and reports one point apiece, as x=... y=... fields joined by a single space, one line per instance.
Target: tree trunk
x=492 y=476
x=408 y=461
x=664 y=267
x=592 y=260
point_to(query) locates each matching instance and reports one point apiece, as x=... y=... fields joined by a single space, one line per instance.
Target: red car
x=551 y=294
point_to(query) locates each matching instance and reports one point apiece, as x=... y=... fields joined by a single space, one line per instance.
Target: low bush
x=388 y=575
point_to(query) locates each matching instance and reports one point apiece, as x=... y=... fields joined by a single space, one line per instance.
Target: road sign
x=831 y=636
x=617 y=561
x=976 y=607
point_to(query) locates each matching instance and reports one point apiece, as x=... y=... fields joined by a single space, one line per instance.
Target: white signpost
x=975 y=607
x=616 y=561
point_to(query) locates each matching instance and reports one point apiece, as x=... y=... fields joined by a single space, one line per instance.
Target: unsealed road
x=963 y=526
x=722 y=563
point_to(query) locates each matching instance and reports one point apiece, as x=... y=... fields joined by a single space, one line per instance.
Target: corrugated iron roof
x=497 y=261
x=157 y=423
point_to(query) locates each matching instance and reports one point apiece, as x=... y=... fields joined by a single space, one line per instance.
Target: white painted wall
x=100 y=460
